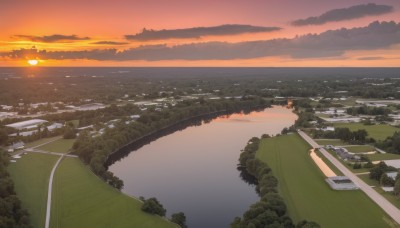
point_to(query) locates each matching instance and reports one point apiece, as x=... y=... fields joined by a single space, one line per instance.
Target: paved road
x=391 y=210
x=49 y=192
x=48 y=152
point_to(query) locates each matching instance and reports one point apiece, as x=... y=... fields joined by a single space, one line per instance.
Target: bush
x=154 y=207
x=180 y=219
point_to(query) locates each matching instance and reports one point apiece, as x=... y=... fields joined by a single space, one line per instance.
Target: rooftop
x=26 y=124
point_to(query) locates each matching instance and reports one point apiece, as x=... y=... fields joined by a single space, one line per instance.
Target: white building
x=28 y=124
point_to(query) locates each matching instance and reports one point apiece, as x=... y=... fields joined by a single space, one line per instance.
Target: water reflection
x=195 y=170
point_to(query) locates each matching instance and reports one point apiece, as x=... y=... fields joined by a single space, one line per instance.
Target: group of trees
x=95 y=151
x=365 y=110
x=358 y=136
x=12 y=214
x=271 y=210
x=378 y=173
x=153 y=206
x=390 y=144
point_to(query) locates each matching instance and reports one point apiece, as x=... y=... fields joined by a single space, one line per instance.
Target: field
x=31 y=177
x=40 y=141
x=58 y=146
x=360 y=148
x=387 y=156
x=333 y=142
x=306 y=194
x=81 y=199
x=378 y=132
x=389 y=196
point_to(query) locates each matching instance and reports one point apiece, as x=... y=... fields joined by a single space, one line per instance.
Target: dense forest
x=12 y=215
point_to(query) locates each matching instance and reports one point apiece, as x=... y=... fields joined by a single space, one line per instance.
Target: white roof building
x=28 y=124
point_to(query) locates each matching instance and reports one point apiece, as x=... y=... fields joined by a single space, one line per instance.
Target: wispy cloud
x=52 y=38
x=110 y=43
x=342 y=14
x=332 y=43
x=371 y=58
x=198 y=32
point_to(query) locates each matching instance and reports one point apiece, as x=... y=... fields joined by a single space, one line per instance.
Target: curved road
x=49 y=191
x=391 y=210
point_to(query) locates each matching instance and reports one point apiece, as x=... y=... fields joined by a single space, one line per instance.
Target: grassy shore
x=378 y=132
x=307 y=194
x=31 y=177
x=81 y=199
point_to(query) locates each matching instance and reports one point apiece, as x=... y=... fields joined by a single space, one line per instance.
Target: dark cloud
x=197 y=32
x=110 y=43
x=345 y=14
x=52 y=38
x=371 y=58
x=332 y=43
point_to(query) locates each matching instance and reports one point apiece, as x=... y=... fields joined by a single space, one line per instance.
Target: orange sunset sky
x=200 y=33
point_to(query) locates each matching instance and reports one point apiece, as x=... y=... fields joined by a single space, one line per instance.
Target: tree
x=3 y=137
x=153 y=206
x=180 y=219
x=397 y=187
x=386 y=181
x=69 y=133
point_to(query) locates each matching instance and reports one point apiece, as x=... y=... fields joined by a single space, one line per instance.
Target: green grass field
x=333 y=142
x=378 y=157
x=59 y=146
x=388 y=195
x=378 y=132
x=81 y=199
x=31 y=175
x=360 y=148
x=306 y=193
x=40 y=141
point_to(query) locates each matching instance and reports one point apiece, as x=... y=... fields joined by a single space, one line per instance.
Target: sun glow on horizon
x=33 y=62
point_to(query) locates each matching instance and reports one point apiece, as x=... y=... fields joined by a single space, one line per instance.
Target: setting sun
x=33 y=62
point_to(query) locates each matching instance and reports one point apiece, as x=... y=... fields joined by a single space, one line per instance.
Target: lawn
x=31 y=175
x=58 y=146
x=306 y=193
x=81 y=199
x=388 y=195
x=378 y=132
x=360 y=148
x=378 y=156
x=333 y=142
x=40 y=141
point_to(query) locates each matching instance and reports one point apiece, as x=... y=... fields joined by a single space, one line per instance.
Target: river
x=194 y=170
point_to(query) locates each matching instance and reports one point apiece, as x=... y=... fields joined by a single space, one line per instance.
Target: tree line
x=271 y=210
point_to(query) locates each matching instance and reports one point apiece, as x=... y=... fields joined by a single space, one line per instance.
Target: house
x=328 y=129
x=392 y=175
x=16 y=146
x=93 y=106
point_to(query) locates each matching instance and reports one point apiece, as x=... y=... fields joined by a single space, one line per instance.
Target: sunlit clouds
x=206 y=33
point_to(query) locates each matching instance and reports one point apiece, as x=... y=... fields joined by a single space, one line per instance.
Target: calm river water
x=194 y=170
